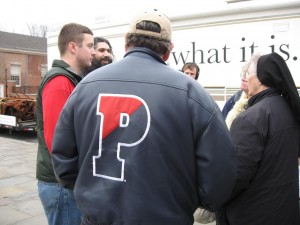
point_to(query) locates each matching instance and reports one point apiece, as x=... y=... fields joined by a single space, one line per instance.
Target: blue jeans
x=59 y=204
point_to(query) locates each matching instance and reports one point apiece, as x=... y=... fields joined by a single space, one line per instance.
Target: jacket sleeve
x=215 y=160
x=64 y=149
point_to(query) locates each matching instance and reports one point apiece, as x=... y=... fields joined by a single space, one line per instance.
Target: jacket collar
x=145 y=51
x=261 y=95
x=66 y=66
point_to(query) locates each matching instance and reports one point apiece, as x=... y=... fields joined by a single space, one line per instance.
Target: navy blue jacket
x=141 y=143
x=231 y=102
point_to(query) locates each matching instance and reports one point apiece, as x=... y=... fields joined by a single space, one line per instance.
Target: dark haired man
x=103 y=54
x=137 y=139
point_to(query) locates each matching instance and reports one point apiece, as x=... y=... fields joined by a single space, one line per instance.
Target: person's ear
x=166 y=56
x=126 y=46
x=72 y=47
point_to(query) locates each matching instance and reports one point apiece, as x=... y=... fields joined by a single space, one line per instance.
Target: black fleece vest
x=44 y=168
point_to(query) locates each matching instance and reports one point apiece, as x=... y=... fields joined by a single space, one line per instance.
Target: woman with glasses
x=238 y=102
x=267 y=140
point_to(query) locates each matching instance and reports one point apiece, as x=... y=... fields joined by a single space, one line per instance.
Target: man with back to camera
x=104 y=54
x=138 y=140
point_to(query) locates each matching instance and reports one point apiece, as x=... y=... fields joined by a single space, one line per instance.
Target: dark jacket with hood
x=267 y=137
x=143 y=144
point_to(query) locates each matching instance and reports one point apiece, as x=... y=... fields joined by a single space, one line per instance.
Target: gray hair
x=253 y=60
x=245 y=68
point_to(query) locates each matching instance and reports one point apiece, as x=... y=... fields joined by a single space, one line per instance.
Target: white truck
x=17 y=114
x=221 y=40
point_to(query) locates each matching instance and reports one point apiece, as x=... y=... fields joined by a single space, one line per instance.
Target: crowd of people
x=135 y=142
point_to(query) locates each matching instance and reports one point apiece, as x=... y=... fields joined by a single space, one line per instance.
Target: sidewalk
x=19 y=201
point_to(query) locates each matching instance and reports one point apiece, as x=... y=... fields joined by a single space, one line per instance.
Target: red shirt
x=54 y=97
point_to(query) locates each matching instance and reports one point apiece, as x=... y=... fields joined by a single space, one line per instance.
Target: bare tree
x=2 y=27
x=38 y=30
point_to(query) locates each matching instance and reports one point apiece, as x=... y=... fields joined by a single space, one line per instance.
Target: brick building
x=23 y=62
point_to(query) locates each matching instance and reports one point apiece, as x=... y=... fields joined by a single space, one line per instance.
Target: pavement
x=19 y=201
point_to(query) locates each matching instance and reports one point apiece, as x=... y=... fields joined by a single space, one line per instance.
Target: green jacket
x=44 y=168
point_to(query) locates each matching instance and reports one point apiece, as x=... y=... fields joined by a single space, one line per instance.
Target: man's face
x=191 y=72
x=86 y=52
x=103 y=54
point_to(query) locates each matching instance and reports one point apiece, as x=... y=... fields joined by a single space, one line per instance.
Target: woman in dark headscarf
x=272 y=71
x=267 y=137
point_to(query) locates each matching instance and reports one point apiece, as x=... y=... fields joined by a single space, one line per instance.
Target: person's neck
x=74 y=67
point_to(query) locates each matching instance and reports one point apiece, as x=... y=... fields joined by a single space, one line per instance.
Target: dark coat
x=149 y=145
x=267 y=140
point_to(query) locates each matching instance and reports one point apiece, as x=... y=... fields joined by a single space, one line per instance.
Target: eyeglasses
x=246 y=75
x=243 y=75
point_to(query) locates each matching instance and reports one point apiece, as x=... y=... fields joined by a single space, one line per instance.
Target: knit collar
x=146 y=51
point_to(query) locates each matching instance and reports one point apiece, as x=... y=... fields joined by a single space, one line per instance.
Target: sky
x=17 y=15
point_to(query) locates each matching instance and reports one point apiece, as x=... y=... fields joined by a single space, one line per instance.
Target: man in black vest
x=75 y=43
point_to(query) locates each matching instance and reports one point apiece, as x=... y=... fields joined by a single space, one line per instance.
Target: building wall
x=30 y=71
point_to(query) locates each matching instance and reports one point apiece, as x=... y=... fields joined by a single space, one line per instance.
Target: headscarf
x=272 y=71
